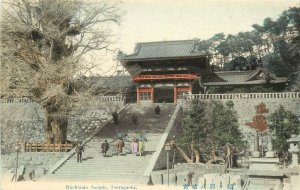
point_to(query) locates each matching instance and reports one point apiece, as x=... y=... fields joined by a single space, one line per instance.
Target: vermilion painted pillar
x=152 y=94
x=138 y=95
x=175 y=94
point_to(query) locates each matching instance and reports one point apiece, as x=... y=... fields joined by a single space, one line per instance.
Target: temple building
x=164 y=70
x=226 y=81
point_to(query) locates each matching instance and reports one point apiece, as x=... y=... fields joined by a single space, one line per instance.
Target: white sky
x=158 y=20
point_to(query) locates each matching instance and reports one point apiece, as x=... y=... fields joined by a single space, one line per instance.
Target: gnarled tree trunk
x=56 y=129
x=181 y=152
x=196 y=153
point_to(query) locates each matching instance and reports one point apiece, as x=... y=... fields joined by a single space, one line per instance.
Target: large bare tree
x=43 y=43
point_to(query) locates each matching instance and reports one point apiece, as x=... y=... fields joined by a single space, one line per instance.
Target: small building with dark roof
x=235 y=79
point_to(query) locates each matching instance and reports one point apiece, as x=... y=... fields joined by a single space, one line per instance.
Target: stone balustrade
x=15 y=100
x=281 y=95
x=99 y=99
x=110 y=98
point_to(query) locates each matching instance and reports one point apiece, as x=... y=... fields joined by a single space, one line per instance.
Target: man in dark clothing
x=115 y=117
x=104 y=147
x=157 y=110
x=134 y=119
x=79 y=149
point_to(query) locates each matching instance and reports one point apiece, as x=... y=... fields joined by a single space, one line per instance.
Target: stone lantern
x=294 y=148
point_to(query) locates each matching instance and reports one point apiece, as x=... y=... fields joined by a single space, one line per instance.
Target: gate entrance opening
x=164 y=95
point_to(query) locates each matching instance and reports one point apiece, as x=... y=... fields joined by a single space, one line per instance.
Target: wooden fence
x=45 y=147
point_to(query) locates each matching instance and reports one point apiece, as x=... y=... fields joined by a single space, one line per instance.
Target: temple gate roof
x=164 y=50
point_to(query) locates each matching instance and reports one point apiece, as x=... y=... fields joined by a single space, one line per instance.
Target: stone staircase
x=121 y=168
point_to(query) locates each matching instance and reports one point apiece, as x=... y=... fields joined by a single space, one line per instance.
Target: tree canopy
x=212 y=125
x=283 y=124
x=43 y=45
x=225 y=124
x=273 y=44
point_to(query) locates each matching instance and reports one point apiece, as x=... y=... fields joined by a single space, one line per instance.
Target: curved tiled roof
x=164 y=49
x=241 y=77
x=109 y=84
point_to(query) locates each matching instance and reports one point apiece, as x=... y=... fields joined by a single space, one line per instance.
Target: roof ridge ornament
x=195 y=45
x=137 y=48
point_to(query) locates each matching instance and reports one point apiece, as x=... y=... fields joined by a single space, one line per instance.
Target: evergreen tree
x=225 y=124
x=283 y=123
x=195 y=124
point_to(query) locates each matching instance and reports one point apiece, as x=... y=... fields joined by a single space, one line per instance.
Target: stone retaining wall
x=22 y=120
x=245 y=104
x=179 y=176
x=39 y=162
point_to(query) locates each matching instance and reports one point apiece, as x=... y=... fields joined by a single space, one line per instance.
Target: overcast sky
x=158 y=20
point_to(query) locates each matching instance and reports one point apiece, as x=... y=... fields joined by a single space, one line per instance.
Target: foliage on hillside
x=283 y=124
x=213 y=125
x=225 y=124
x=274 y=44
x=195 y=124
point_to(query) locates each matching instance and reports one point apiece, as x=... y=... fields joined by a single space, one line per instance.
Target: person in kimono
x=141 y=147
x=134 y=147
x=157 y=110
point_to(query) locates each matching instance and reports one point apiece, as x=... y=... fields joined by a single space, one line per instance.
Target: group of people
x=137 y=147
x=119 y=145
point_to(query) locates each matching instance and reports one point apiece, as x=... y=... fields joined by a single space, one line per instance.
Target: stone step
x=69 y=167
x=106 y=179
x=102 y=164
x=130 y=159
x=100 y=168
x=95 y=168
x=100 y=172
x=100 y=175
x=110 y=161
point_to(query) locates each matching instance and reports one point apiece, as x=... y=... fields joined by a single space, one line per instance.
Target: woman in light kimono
x=134 y=147
x=141 y=147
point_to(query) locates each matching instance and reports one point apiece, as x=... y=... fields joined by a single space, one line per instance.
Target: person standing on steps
x=104 y=147
x=157 y=110
x=79 y=149
x=134 y=147
x=141 y=147
x=119 y=145
x=134 y=119
x=115 y=117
